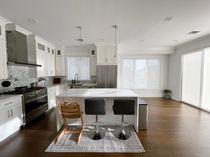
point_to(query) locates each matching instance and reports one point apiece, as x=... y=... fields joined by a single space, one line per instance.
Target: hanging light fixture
x=80 y=39
x=115 y=38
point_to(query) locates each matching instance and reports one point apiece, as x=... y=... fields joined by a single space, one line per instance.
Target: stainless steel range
x=34 y=102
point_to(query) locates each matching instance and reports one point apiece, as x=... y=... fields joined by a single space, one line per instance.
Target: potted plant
x=167 y=93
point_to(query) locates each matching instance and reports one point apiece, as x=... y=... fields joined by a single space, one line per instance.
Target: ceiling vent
x=169 y=18
x=193 y=32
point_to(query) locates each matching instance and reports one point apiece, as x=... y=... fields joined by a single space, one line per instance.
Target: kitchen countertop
x=4 y=97
x=99 y=92
x=53 y=85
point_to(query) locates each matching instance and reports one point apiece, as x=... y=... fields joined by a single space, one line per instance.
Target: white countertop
x=4 y=97
x=99 y=92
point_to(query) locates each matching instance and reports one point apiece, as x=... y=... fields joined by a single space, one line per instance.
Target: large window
x=140 y=73
x=196 y=79
x=80 y=66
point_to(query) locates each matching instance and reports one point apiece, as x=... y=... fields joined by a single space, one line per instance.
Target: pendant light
x=80 y=39
x=115 y=39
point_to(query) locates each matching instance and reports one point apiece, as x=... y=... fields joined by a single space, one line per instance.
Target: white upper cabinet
x=51 y=62
x=2 y=30
x=3 y=52
x=3 y=59
x=45 y=56
x=60 y=63
x=106 y=55
x=41 y=59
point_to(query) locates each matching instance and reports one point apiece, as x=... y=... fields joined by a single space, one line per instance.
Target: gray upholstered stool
x=123 y=107
x=95 y=107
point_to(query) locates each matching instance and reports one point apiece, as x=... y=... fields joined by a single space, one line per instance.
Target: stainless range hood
x=21 y=49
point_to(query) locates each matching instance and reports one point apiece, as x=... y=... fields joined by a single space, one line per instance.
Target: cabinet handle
x=8 y=113
x=8 y=103
x=11 y=112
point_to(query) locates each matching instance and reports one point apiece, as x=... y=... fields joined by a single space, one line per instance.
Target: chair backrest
x=124 y=106
x=71 y=110
x=95 y=106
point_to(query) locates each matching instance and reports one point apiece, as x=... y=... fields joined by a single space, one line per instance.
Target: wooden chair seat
x=70 y=111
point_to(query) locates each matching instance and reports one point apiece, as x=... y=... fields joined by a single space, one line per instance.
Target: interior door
x=191 y=80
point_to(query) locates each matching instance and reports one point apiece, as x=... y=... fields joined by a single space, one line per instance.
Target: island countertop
x=109 y=95
x=99 y=92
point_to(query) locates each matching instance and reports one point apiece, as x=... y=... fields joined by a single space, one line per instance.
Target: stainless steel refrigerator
x=106 y=76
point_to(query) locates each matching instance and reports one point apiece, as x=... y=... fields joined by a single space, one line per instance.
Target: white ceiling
x=137 y=20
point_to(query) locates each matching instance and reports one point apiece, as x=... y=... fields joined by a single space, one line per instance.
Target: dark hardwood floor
x=175 y=130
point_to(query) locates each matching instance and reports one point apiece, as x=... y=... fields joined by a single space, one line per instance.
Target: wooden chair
x=70 y=111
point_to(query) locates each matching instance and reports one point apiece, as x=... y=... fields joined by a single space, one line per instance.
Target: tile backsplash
x=21 y=76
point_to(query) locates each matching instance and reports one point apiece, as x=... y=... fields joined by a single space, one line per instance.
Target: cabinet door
x=51 y=97
x=2 y=30
x=52 y=65
x=41 y=60
x=60 y=66
x=3 y=59
x=10 y=121
x=102 y=55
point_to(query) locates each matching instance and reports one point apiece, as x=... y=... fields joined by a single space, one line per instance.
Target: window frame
x=74 y=56
x=146 y=58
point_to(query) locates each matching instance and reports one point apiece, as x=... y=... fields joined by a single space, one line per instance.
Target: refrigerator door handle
x=108 y=84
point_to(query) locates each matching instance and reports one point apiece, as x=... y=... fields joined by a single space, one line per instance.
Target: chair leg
x=60 y=135
x=79 y=137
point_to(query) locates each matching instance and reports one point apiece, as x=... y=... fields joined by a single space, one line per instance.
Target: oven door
x=36 y=108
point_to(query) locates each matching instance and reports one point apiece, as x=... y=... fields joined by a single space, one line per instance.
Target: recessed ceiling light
x=193 y=32
x=31 y=20
x=169 y=18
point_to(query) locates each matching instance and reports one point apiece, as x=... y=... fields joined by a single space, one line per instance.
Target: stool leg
x=97 y=133
x=122 y=132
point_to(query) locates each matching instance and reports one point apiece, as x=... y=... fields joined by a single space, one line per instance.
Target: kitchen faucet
x=76 y=78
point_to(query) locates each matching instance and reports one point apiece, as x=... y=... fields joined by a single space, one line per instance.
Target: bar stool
x=95 y=107
x=123 y=107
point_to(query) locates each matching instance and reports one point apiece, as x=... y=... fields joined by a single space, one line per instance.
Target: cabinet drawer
x=10 y=102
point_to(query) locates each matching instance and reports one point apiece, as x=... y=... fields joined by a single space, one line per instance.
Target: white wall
x=83 y=51
x=175 y=63
x=164 y=74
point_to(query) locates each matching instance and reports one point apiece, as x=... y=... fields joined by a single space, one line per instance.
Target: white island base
x=109 y=94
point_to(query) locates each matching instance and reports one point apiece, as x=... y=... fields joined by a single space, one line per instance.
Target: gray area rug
x=109 y=144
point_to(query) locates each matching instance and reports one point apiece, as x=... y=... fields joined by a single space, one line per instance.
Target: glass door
x=191 y=79
x=206 y=81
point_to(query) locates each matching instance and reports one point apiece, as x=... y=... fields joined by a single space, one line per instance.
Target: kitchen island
x=109 y=94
